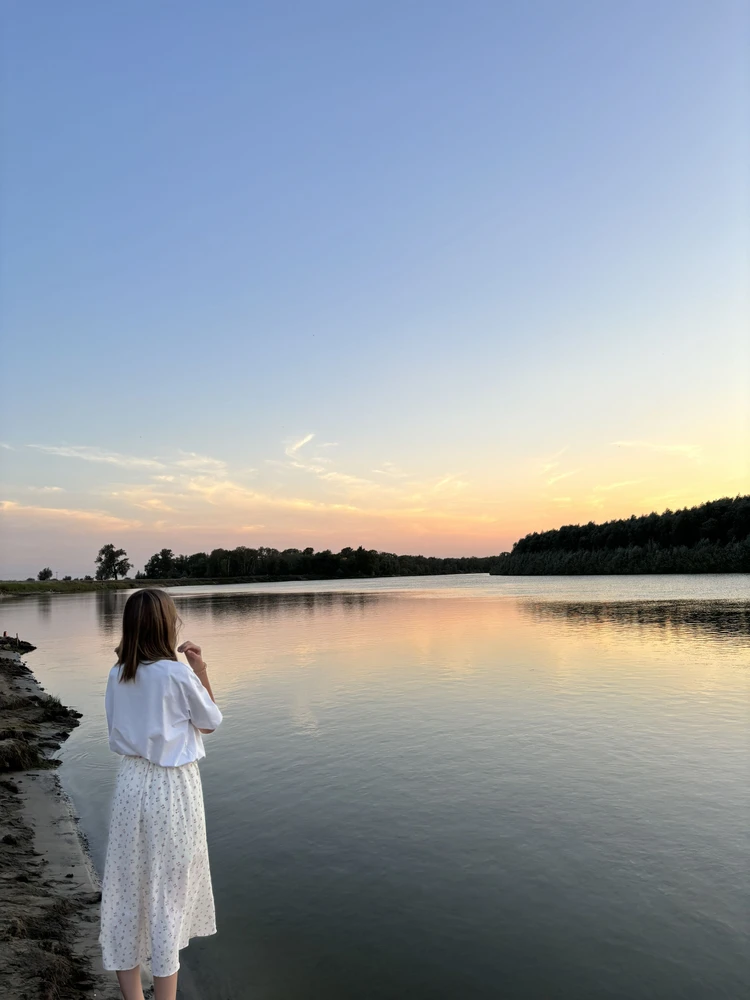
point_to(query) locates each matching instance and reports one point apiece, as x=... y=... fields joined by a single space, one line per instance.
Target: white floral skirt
x=156 y=891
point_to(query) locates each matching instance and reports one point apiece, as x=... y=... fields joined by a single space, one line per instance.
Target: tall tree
x=161 y=565
x=44 y=574
x=112 y=562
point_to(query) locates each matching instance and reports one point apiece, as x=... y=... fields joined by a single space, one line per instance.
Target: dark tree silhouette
x=711 y=538
x=160 y=566
x=44 y=574
x=306 y=564
x=111 y=562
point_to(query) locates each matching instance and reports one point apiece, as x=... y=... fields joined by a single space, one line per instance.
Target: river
x=453 y=787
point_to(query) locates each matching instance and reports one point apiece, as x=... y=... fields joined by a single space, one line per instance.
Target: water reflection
x=45 y=605
x=455 y=789
x=727 y=621
x=264 y=605
x=109 y=605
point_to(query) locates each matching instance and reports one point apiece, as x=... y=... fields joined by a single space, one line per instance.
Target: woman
x=156 y=892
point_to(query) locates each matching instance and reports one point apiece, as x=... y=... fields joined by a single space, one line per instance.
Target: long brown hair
x=149 y=631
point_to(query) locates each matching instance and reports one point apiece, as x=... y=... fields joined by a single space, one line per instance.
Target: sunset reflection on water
x=431 y=787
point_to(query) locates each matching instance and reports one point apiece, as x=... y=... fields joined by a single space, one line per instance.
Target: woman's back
x=159 y=713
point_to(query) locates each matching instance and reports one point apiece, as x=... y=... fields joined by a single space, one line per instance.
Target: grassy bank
x=85 y=586
x=62 y=586
x=9 y=587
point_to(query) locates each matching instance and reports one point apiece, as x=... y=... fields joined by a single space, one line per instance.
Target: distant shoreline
x=20 y=587
x=17 y=588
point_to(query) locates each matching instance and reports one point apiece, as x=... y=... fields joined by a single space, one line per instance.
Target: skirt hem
x=147 y=961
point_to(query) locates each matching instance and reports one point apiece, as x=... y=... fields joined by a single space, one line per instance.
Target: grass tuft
x=17 y=754
x=54 y=710
x=10 y=702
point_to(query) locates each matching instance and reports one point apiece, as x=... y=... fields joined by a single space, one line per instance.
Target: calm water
x=463 y=787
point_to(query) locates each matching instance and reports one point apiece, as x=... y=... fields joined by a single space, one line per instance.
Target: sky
x=419 y=276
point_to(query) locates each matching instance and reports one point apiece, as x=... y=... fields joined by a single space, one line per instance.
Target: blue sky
x=455 y=243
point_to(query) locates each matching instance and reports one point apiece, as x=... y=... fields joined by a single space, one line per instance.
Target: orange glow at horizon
x=195 y=503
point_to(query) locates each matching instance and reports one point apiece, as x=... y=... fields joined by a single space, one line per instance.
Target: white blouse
x=158 y=715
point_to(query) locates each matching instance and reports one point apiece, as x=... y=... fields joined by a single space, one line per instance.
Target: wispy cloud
x=156 y=503
x=552 y=461
x=345 y=478
x=6 y=446
x=450 y=483
x=189 y=491
x=199 y=463
x=150 y=496
x=292 y=449
x=99 y=518
x=360 y=489
x=186 y=461
x=389 y=469
x=617 y=486
x=562 y=475
x=45 y=489
x=685 y=450
x=295 y=460
x=226 y=492
x=89 y=454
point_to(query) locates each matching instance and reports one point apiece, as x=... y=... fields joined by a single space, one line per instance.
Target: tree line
x=243 y=563
x=268 y=563
x=713 y=537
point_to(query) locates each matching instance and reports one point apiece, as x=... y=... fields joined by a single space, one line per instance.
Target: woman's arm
x=200 y=669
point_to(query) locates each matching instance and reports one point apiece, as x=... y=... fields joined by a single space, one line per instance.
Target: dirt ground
x=49 y=898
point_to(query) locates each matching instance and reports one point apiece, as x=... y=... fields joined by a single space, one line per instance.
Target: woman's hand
x=193 y=655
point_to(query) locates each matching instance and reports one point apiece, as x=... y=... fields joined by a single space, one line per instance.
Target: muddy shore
x=49 y=892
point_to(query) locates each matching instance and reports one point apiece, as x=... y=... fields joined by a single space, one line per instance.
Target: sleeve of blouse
x=204 y=714
x=109 y=697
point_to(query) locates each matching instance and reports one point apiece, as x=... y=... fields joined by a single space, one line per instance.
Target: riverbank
x=20 y=587
x=49 y=893
x=8 y=587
